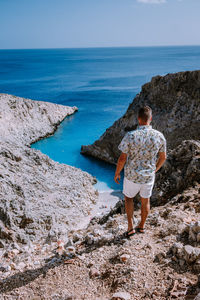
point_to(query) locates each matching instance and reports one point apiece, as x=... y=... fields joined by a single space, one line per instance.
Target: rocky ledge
x=40 y=198
x=98 y=262
x=175 y=101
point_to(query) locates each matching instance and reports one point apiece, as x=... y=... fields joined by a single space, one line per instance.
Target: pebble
x=7 y=268
x=94 y=272
x=76 y=237
x=196 y=227
x=13 y=266
x=15 y=251
x=181 y=262
x=124 y=257
x=71 y=249
x=36 y=263
x=148 y=246
x=21 y=266
x=121 y=296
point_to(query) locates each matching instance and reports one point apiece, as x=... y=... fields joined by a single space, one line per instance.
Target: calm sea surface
x=101 y=82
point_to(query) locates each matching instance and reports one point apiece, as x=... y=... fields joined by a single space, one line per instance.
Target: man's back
x=142 y=147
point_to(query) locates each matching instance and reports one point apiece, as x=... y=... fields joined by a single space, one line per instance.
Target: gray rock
x=40 y=198
x=6 y=268
x=121 y=295
x=160 y=257
x=154 y=219
x=196 y=266
x=190 y=253
x=69 y=243
x=21 y=266
x=197 y=297
x=24 y=121
x=181 y=262
x=89 y=239
x=77 y=237
x=94 y=272
x=198 y=237
x=192 y=235
x=196 y=227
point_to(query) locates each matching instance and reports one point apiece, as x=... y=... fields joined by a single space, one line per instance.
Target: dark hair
x=145 y=113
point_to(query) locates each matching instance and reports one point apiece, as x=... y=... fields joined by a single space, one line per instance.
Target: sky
x=98 y=23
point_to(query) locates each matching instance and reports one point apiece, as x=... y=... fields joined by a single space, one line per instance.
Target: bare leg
x=129 y=211
x=145 y=209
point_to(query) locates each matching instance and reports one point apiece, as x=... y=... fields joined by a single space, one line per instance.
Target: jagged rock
x=39 y=197
x=160 y=257
x=196 y=227
x=189 y=253
x=24 y=121
x=186 y=253
x=180 y=171
x=76 y=237
x=177 y=248
x=193 y=231
x=198 y=237
x=174 y=99
x=196 y=266
x=154 y=219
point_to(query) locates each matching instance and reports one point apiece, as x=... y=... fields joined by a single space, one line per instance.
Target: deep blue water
x=101 y=82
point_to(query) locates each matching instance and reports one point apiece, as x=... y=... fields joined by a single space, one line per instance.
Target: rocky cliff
x=175 y=101
x=39 y=198
x=25 y=121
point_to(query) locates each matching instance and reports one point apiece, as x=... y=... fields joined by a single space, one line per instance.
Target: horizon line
x=102 y=47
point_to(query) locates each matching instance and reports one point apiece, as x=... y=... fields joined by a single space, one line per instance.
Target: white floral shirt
x=142 y=147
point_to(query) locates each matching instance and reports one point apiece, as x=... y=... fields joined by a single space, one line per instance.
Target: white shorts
x=130 y=189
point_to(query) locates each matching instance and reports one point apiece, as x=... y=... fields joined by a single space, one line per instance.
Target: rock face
x=25 y=121
x=40 y=198
x=180 y=171
x=175 y=101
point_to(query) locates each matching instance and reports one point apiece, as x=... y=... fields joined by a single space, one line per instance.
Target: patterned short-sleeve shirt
x=142 y=147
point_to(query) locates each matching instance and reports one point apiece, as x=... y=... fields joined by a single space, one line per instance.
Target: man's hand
x=120 y=165
x=117 y=176
x=161 y=159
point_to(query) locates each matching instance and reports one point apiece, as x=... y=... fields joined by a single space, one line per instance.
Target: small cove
x=101 y=82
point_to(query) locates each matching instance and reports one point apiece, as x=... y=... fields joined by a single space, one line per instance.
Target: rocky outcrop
x=40 y=198
x=175 y=101
x=180 y=171
x=25 y=121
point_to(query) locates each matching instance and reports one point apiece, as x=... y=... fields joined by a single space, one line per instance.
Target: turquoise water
x=101 y=82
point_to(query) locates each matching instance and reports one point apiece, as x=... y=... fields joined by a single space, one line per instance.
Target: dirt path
x=142 y=266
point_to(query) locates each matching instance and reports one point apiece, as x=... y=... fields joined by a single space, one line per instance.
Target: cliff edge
x=39 y=198
x=175 y=101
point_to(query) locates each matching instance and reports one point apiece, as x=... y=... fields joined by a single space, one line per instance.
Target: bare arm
x=120 y=165
x=161 y=159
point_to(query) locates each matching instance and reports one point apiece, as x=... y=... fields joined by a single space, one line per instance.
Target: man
x=143 y=154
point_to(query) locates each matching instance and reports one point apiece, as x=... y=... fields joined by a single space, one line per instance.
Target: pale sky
x=98 y=23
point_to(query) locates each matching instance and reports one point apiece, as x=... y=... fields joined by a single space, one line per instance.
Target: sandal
x=140 y=230
x=127 y=234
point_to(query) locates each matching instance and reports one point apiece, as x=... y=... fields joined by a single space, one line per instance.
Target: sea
x=101 y=82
